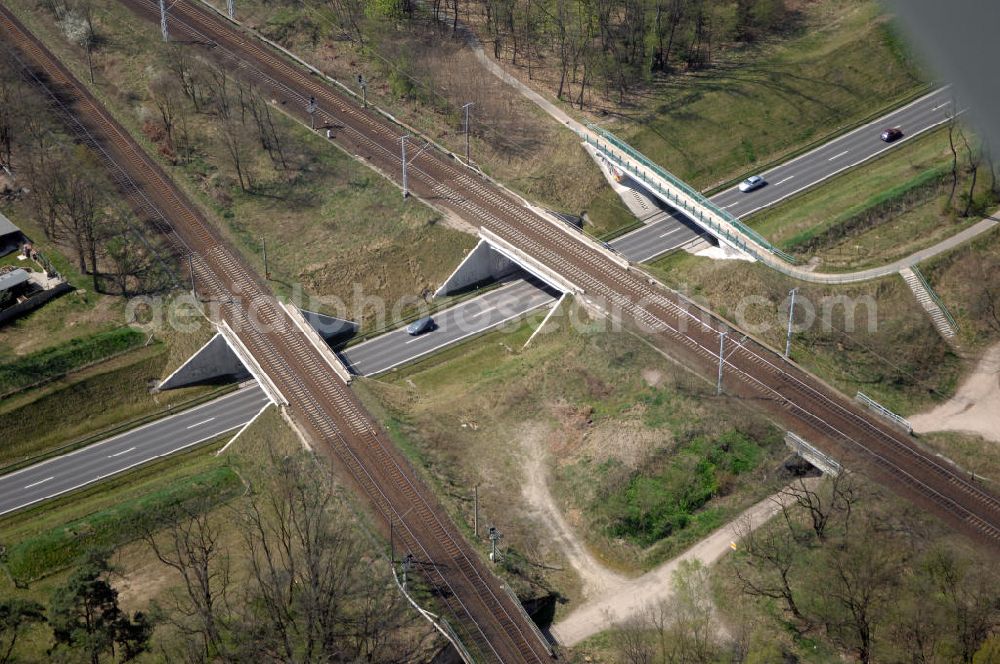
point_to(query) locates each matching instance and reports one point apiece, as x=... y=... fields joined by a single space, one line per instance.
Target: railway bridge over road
x=327 y=409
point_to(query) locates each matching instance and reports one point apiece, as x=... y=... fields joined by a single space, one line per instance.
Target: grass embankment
x=50 y=537
x=330 y=224
x=872 y=337
x=641 y=460
x=968 y=451
x=878 y=212
x=37 y=421
x=840 y=63
x=46 y=365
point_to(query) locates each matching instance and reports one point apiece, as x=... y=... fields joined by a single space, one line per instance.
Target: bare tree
x=126 y=254
x=691 y=624
x=970 y=599
x=769 y=568
x=974 y=157
x=632 y=641
x=859 y=590
x=192 y=548
x=821 y=502
x=234 y=139
x=188 y=71
x=315 y=594
x=166 y=94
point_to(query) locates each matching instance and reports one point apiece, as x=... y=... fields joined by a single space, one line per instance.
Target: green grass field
x=43 y=366
x=43 y=540
x=839 y=66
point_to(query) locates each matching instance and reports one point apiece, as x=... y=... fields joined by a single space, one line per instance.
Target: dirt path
x=595 y=578
x=975 y=408
x=632 y=596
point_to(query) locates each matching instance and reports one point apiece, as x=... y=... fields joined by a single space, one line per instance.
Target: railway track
x=815 y=411
x=492 y=626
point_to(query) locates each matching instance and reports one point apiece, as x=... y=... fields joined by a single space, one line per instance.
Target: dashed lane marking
x=40 y=482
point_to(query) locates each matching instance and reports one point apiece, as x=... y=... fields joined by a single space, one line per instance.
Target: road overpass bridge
x=673 y=191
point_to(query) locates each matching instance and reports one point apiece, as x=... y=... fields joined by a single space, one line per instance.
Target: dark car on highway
x=890 y=134
x=425 y=324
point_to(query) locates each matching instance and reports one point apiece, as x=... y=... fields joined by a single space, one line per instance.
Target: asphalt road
x=171 y=434
x=667 y=232
x=160 y=438
x=452 y=325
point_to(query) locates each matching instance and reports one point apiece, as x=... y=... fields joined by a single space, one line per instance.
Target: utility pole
x=191 y=267
x=90 y=55
x=364 y=90
x=495 y=537
x=475 y=502
x=465 y=108
x=406 y=191
x=791 y=314
x=311 y=110
x=231 y=9
x=407 y=562
x=163 y=20
x=263 y=250
x=722 y=347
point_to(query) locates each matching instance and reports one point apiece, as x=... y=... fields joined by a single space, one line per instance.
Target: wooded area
x=67 y=188
x=615 y=46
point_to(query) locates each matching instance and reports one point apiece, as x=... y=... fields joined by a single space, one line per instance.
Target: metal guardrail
x=879 y=409
x=934 y=296
x=821 y=460
x=694 y=194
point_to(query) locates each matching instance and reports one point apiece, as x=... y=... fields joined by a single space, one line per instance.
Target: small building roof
x=13 y=278
x=7 y=226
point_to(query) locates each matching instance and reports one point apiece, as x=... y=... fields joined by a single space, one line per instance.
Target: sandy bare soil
x=975 y=408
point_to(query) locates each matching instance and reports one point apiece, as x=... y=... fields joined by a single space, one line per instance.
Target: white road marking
x=480 y=313
x=671 y=232
x=40 y=482
x=940 y=106
x=446 y=343
x=838 y=155
x=198 y=424
x=111 y=456
x=726 y=207
x=785 y=180
x=416 y=338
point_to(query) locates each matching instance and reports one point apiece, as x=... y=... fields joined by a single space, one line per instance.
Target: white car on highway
x=751 y=183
